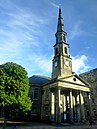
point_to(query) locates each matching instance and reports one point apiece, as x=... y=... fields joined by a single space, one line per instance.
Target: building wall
x=35 y=95
x=91 y=78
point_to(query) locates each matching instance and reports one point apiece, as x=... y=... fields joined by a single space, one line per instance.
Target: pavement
x=51 y=127
x=32 y=125
x=43 y=126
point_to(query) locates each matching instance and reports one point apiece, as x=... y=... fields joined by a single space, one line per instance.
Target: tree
x=14 y=88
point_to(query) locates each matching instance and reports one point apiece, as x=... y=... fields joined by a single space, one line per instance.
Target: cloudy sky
x=28 y=27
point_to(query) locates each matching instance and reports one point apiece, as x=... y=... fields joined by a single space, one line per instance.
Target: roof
x=91 y=71
x=39 y=80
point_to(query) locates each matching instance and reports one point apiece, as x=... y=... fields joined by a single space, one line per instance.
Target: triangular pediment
x=75 y=79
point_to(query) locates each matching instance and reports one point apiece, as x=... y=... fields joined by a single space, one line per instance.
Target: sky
x=28 y=27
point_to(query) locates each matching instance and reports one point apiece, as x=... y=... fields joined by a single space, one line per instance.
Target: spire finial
x=60 y=11
x=60 y=34
x=60 y=26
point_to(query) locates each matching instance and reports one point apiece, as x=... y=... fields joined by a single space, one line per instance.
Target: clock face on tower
x=66 y=63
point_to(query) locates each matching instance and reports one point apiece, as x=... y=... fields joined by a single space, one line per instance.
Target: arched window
x=65 y=50
x=56 y=51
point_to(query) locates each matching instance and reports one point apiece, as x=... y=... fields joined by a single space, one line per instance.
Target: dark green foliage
x=14 y=88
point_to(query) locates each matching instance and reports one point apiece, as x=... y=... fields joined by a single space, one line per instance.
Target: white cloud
x=44 y=64
x=79 y=64
x=76 y=30
x=39 y=63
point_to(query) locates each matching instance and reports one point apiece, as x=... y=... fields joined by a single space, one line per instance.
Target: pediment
x=75 y=79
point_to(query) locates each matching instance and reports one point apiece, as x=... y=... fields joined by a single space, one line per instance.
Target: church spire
x=60 y=26
x=62 y=63
x=60 y=34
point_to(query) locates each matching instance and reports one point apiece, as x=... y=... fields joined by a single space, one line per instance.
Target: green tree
x=14 y=88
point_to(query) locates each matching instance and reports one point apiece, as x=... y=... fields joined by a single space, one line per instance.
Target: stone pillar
x=78 y=107
x=52 y=106
x=74 y=108
x=74 y=103
x=64 y=109
x=71 y=105
x=64 y=103
x=90 y=109
x=82 y=107
x=58 y=113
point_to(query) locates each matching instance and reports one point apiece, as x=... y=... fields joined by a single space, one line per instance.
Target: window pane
x=36 y=94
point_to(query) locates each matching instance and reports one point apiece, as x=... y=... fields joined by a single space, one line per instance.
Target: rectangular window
x=36 y=94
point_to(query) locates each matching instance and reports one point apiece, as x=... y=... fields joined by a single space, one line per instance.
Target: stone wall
x=91 y=78
x=36 y=103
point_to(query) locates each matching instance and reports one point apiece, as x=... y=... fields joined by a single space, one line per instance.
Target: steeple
x=60 y=34
x=60 y=26
x=62 y=63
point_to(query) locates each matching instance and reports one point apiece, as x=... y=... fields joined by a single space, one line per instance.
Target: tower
x=62 y=63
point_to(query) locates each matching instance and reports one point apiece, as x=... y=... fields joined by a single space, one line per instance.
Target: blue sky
x=28 y=27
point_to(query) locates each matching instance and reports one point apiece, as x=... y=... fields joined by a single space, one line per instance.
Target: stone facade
x=91 y=78
x=35 y=94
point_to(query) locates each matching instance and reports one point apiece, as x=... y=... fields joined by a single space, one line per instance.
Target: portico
x=66 y=99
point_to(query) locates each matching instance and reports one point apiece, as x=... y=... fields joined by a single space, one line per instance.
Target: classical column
x=78 y=107
x=64 y=108
x=82 y=107
x=58 y=113
x=90 y=109
x=52 y=106
x=74 y=101
x=74 y=108
x=71 y=106
x=64 y=103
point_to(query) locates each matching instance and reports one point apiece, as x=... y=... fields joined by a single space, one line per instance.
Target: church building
x=60 y=98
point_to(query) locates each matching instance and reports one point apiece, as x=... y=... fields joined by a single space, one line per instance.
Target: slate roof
x=39 y=80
